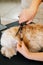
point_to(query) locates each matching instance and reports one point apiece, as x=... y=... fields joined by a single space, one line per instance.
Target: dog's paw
x=8 y=52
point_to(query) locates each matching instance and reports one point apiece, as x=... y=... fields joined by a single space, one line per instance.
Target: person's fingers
x=19 y=45
x=29 y=21
x=24 y=47
x=22 y=19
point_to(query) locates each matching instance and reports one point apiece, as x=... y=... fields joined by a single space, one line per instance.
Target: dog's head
x=9 y=44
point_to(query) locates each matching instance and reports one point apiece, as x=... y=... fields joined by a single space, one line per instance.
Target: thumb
x=29 y=21
x=19 y=45
x=23 y=45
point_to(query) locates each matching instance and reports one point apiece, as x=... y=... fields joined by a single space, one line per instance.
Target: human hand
x=21 y=48
x=27 y=15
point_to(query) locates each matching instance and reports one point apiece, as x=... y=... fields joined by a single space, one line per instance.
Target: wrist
x=27 y=55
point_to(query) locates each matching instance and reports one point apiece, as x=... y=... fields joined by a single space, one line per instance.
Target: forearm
x=35 y=56
x=35 y=4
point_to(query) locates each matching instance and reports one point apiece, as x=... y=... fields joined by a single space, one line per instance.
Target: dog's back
x=33 y=36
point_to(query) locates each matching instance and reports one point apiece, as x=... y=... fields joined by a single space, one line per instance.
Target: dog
x=32 y=35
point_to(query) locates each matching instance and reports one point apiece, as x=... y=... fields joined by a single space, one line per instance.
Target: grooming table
x=18 y=59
